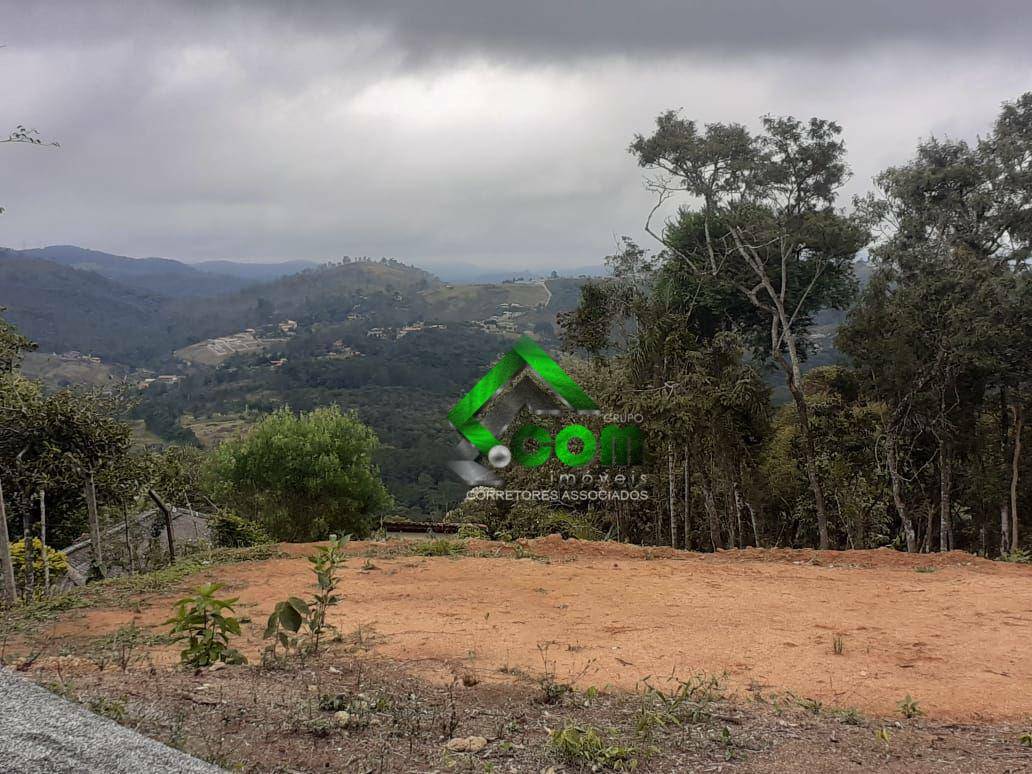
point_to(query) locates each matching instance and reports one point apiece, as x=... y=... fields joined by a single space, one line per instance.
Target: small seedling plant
x=202 y=621
x=298 y=625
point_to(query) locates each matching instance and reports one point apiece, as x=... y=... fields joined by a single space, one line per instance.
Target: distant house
x=288 y=326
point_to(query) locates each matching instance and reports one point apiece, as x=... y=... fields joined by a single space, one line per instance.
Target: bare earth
x=951 y=630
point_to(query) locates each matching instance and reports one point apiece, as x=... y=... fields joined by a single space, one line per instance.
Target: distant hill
x=64 y=308
x=254 y=272
x=161 y=276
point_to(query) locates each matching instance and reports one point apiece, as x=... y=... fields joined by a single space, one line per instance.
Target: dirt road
x=953 y=631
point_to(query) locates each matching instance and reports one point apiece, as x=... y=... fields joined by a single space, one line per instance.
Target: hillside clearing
x=950 y=630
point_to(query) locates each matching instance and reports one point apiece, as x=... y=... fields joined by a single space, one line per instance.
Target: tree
x=672 y=362
x=763 y=232
x=304 y=476
x=12 y=346
x=945 y=322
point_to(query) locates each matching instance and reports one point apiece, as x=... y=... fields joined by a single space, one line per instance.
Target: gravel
x=41 y=732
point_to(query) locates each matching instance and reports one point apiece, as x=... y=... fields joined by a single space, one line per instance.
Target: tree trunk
x=10 y=590
x=755 y=527
x=1015 y=465
x=897 y=492
x=795 y=388
x=945 y=484
x=168 y=525
x=43 y=539
x=670 y=482
x=711 y=513
x=687 y=504
x=738 y=514
x=1004 y=529
x=96 y=560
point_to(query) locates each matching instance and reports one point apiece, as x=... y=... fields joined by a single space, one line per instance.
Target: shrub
x=202 y=622
x=229 y=530
x=587 y=746
x=524 y=520
x=57 y=560
x=305 y=476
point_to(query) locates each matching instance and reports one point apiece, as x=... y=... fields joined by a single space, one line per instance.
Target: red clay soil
x=957 y=636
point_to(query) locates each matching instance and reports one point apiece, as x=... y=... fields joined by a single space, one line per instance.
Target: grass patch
x=117 y=592
x=439 y=547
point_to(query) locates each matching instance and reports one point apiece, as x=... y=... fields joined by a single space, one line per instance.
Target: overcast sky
x=478 y=131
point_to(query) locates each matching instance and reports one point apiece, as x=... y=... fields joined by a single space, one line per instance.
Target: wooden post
x=43 y=539
x=96 y=559
x=128 y=541
x=168 y=524
x=10 y=591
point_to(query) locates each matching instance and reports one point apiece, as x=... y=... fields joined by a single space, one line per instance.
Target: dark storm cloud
x=489 y=132
x=558 y=29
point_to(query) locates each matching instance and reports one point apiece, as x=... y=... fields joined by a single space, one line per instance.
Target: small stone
x=334 y=671
x=466 y=744
x=342 y=718
x=217 y=666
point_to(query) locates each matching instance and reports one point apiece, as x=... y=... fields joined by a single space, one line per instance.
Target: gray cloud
x=486 y=132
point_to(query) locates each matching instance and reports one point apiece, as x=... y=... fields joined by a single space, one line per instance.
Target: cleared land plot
x=951 y=630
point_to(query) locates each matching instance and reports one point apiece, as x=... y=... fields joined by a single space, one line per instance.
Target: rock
x=342 y=718
x=218 y=665
x=466 y=744
x=334 y=671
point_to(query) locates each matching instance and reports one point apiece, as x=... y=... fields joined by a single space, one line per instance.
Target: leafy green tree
x=304 y=476
x=765 y=234
x=944 y=325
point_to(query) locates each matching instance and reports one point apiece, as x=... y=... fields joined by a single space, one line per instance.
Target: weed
x=439 y=547
x=585 y=745
x=883 y=735
x=850 y=717
x=475 y=531
x=730 y=746
x=925 y=568
x=909 y=708
x=1018 y=556
x=1026 y=739
x=838 y=645
x=811 y=705
x=201 y=621
x=109 y=708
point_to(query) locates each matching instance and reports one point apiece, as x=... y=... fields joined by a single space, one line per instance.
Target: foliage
x=57 y=560
x=229 y=530
x=909 y=708
x=202 y=622
x=587 y=746
x=304 y=476
x=298 y=625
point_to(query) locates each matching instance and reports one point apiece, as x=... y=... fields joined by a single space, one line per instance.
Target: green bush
x=524 y=520
x=57 y=560
x=304 y=476
x=229 y=530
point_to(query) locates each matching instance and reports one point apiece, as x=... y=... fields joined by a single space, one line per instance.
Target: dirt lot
x=952 y=631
